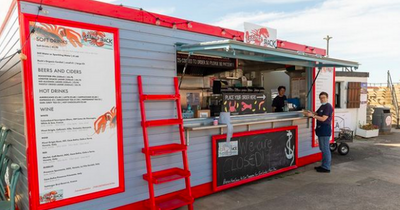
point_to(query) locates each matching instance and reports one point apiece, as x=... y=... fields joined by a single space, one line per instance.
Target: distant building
x=351 y=99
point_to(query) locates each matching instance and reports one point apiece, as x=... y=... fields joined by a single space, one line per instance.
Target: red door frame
x=249 y=133
x=314 y=98
x=30 y=115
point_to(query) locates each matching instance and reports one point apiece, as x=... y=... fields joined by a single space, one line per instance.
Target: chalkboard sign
x=253 y=155
x=243 y=103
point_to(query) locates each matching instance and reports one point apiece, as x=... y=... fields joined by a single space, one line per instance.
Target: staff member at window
x=323 y=131
x=279 y=101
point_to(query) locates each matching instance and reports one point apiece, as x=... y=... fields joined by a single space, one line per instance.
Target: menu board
x=324 y=83
x=253 y=155
x=76 y=111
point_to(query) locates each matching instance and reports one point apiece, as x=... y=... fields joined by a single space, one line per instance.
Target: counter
x=262 y=145
x=251 y=122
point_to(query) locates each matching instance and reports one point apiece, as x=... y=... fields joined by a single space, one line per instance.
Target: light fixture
x=174 y=26
x=189 y=24
x=282 y=44
x=22 y=56
x=234 y=37
x=223 y=32
x=43 y=11
x=158 y=22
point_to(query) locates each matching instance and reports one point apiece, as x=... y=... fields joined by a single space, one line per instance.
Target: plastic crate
x=345 y=135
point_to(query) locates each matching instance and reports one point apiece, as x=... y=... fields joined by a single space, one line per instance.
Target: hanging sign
x=325 y=82
x=77 y=112
x=206 y=62
x=260 y=35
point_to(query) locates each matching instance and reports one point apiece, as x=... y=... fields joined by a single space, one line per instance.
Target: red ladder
x=173 y=200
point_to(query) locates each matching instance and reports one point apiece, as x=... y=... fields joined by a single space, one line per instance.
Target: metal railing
x=374 y=84
x=390 y=85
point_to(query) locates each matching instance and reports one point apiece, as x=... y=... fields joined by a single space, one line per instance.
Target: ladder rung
x=165 y=149
x=164 y=122
x=172 y=201
x=167 y=175
x=160 y=97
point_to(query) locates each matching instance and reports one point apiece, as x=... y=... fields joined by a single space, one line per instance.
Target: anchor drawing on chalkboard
x=289 y=150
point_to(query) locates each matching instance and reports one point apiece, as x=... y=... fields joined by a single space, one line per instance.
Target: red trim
x=3 y=25
x=309 y=159
x=302 y=48
x=207 y=189
x=125 y=13
x=197 y=192
x=30 y=115
x=333 y=104
x=248 y=133
x=121 y=12
x=313 y=143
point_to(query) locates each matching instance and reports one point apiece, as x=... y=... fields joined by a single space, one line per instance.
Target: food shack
x=74 y=79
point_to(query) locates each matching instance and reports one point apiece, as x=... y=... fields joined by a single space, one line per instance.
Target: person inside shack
x=278 y=103
x=323 y=130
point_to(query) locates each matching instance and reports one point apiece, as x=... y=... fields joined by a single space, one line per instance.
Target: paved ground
x=367 y=178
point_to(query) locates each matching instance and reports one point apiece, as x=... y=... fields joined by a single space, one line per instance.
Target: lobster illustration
x=232 y=106
x=58 y=34
x=260 y=105
x=101 y=123
x=49 y=197
x=94 y=38
x=257 y=36
x=325 y=70
x=246 y=106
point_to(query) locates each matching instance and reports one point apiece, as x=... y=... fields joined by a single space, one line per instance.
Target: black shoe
x=317 y=167
x=323 y=170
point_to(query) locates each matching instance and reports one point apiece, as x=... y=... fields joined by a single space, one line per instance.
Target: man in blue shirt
x=323 y=131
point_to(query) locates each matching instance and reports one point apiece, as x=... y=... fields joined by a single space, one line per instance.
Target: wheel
x=343 y=149
x=333 y=147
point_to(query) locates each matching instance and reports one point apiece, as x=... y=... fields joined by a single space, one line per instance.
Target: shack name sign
x=203 y=61
x=253 y=155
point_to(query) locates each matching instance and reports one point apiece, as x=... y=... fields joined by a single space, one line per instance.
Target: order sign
x=76 y=110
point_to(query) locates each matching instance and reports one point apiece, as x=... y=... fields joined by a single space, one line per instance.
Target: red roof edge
x=137 y=15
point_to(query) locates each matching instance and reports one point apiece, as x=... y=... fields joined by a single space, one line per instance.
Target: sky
x=366 y=31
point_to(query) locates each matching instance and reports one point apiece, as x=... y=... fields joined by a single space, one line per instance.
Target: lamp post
x=327 y=38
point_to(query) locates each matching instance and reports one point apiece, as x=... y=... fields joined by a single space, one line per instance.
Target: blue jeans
x=326 y=152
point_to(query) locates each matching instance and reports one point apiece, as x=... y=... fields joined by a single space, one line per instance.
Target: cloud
x=161 y=10
x=107 y=1
x=5 y=6
x=363 y=30
x=283 y=1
